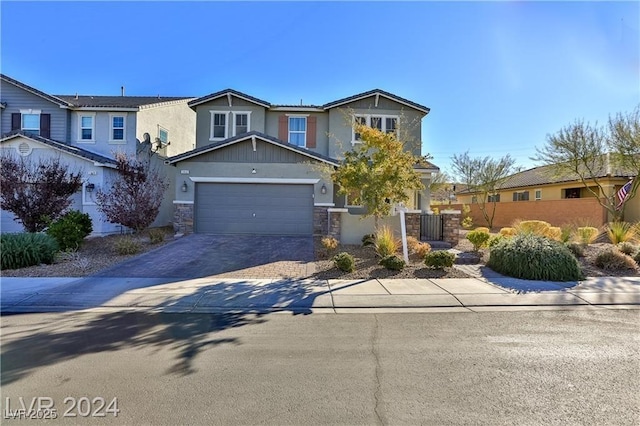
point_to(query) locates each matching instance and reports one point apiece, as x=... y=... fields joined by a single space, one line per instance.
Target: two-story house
x=87 y=131
x=259 y=168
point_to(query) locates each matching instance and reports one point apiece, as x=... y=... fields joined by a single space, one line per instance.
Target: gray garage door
x=264 y=209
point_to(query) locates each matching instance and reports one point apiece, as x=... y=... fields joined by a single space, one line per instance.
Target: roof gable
x=251 y=136
x=229 y=93
x=377 y=93
x=97 y=159
x=50 y=98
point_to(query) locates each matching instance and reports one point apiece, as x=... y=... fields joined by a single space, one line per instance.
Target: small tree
x=134 y=197
x=589 y=152
x=378 y=172
x=37 y=193
x=483 y=177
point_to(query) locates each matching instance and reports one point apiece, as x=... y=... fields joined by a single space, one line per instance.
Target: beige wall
x=585 y=211
x=354 y=227
x=177 y=118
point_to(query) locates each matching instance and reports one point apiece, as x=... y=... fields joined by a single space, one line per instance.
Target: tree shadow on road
x=69 y=335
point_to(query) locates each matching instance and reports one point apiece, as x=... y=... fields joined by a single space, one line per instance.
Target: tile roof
x=222 y=93
x=117 y=101
x=54 y=99
x=377 y=92
x=245 y=136
x=545 y=175
x=88 y=155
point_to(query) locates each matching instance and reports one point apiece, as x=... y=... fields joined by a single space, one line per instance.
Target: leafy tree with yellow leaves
x=377 y=173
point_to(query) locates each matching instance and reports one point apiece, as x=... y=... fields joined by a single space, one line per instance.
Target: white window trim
x=368 y=118
x=535 y=194
x=163 y=129
x=235 y=114
x=226 y=125
x=122 y=141
x=30 y=112
x=93 y=128
x=306 y=123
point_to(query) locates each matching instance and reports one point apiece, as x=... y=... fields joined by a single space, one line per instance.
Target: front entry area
x=253 y=209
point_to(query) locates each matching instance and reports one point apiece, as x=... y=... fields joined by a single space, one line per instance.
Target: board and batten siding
x=242 y=152
x=18 y=99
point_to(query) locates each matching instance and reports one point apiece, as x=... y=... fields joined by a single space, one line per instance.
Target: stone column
x=335 y=222
x=451 y=219
x=183 y=218
x=412 y=222
x=320 y=220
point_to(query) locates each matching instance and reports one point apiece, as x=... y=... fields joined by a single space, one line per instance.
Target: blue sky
x=498 y=76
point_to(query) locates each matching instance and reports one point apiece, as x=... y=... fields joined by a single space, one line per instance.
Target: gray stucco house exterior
x=86 y=132
x=259 y=168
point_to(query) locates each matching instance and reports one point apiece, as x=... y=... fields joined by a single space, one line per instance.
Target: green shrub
x=534 y=257
x=393 y=262
x=577 y=249
x=620 y=232
x=628 y=248
x=612 y=259
x=478 y=238
x=368 y=240
x=467 y=222
x=566 y=232
x=386 y=242
x=156 y=235
x=586 y=234
x=71 y=229
x=27 y=249
x=494 y=240
x=439 y=259
x=482 y=229
x=127 y=245
x=345 y=262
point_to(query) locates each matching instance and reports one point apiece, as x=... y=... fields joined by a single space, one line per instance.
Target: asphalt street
x=545 y=367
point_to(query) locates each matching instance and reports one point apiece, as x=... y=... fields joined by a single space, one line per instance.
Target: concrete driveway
x=202 y=255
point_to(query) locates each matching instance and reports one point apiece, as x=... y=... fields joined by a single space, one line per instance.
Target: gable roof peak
x=229 y=92
x=50 y=98
x=377 y=92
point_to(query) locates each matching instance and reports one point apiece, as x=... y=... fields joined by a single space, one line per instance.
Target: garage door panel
x=266 y=209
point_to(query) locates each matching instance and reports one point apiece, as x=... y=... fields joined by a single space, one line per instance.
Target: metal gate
x=431 y=227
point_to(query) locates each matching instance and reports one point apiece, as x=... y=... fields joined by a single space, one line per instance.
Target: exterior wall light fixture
x=184 y=187
x=89 y=187
x=323 y=189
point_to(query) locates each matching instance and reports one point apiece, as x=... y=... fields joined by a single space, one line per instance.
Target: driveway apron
x=202 y=255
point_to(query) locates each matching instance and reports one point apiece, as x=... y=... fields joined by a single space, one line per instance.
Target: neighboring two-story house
x=259 y=168
x=87 y=131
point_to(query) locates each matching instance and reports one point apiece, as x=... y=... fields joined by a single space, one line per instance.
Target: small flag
x=623 y=193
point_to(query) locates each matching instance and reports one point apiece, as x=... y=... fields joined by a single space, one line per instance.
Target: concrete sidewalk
x=308 y=295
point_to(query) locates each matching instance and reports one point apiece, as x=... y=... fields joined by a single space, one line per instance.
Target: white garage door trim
x=255 y=180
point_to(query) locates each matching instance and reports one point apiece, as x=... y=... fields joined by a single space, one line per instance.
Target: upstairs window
x=117 y=128
x=358 y=120
x=241 y=123
x=218 y=125
x=298 y=131
x=163 y=135
x=32 y=121
x=86 y=122
x=384 y=123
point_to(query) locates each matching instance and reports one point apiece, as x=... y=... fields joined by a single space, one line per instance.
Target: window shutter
x=283 y=128
x=515 y=196
x=311 y=131
x=16 y=119
x=45 y=125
